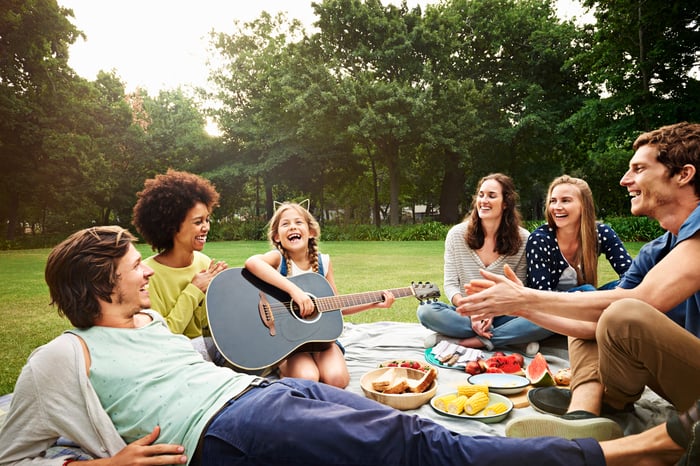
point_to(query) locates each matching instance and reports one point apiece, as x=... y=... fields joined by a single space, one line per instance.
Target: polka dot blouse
x=545 y=262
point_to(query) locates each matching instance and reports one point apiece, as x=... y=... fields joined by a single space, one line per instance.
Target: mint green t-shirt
x=149 y=376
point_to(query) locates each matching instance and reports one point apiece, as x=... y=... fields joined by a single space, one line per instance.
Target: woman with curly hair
x=173 y=214
x=490 y=237
x=294 y=233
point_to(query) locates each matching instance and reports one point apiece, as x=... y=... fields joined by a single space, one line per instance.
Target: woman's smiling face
x=565 y=205
x=489 y=200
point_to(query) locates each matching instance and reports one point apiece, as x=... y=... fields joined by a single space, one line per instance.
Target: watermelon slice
x=538 y=372
x=503 y=364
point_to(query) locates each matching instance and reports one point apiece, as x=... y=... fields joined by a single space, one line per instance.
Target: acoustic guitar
x=256 y=325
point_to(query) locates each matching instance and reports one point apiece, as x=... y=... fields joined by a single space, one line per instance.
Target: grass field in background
x=28 y=321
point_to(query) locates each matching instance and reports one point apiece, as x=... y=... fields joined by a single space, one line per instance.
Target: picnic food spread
x=483 y=400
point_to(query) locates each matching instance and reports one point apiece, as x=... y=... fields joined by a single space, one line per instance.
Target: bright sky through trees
x=162 y=44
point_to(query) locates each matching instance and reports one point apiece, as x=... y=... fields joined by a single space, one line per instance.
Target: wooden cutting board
x=520 y=399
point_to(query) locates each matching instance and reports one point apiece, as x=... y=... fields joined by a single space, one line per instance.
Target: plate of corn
x=473 y=402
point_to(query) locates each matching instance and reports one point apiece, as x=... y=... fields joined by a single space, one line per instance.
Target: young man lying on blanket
x=623 y=341
x=132 y=392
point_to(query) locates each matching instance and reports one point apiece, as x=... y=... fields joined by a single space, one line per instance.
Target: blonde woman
x=562 y=255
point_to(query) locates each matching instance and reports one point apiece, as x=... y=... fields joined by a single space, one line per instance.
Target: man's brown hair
x=678 y=145
x=83 y=269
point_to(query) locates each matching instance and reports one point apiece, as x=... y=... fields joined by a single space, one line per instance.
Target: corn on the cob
x=476 y=403
x=456 y=406
x=496 y=408
x=469 y=389
x=441 y=402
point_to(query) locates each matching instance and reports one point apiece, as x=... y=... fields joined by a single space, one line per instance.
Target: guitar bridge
x=266 y=314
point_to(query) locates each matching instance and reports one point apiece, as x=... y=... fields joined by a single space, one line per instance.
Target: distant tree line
x=374 y=111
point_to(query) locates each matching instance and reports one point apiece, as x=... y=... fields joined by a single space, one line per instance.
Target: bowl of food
x=400 y=387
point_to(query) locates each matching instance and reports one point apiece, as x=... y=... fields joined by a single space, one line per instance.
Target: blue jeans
x=507 y=330
x=298 y=422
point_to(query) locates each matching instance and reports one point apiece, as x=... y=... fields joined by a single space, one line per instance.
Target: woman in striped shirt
x=490 y=237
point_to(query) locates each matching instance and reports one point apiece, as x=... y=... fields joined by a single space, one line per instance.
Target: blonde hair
x=314 y=228
x=587 y=254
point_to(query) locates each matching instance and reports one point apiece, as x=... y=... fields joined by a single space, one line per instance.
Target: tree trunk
x=451 y=189
x=375 y=186
x=12 y=216
x=392 y=157
x=269 y=201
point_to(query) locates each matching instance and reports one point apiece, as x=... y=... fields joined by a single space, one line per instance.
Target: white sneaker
x=434 y=338
x=532 y=349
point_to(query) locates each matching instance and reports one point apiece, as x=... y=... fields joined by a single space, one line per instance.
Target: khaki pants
x=638 y=346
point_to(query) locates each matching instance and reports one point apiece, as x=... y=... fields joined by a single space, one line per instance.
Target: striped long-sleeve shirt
x=462 y=263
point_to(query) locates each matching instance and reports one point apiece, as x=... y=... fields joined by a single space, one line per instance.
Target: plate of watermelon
x=505 y=384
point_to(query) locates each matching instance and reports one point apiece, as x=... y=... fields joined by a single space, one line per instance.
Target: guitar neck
x=332 y=303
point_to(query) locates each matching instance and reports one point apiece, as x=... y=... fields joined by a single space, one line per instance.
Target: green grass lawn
x=29 y=321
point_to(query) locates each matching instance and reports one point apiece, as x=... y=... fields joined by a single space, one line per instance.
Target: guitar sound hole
x=311 y=318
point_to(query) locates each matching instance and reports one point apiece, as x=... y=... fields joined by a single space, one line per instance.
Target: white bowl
x=505 y=384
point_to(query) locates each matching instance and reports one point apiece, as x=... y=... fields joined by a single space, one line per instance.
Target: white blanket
x=367 y=345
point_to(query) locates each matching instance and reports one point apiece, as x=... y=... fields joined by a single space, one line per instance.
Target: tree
x=640 y=69
x=254 y=89
x=517 y=54
x=33 y=69
x=372 y=48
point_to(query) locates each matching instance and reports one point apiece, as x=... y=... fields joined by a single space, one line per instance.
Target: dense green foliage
x=628 y=228
x=379 y=111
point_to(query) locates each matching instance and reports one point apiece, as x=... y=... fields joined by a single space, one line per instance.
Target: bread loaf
x=422 y=384
x=395 y=380
x=383 y=382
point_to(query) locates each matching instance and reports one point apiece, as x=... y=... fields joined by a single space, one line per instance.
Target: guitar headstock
x=425 y=291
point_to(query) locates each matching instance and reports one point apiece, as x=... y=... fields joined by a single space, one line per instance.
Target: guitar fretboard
x=331 y=303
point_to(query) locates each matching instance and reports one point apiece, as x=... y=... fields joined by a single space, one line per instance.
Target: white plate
x=493 y=398
x=505 y=384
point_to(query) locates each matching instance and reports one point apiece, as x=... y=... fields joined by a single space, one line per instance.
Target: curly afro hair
x=164 y=202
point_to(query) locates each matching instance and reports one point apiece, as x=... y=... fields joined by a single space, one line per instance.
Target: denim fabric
x=297 y=422
x=507 y=330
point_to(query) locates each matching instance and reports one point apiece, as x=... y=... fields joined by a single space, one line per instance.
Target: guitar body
x=237 y=306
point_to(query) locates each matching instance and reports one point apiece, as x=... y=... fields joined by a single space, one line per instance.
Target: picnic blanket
x=367 y=345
